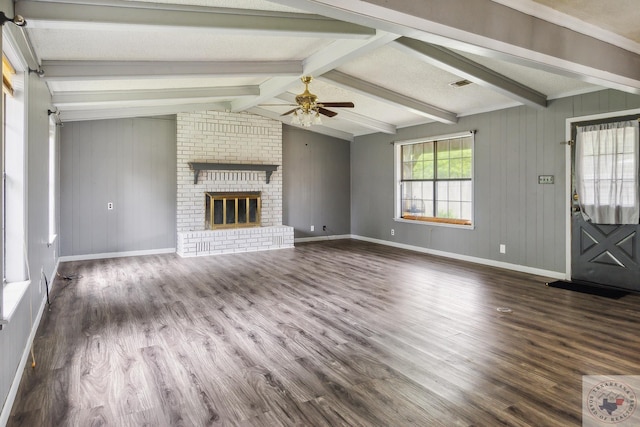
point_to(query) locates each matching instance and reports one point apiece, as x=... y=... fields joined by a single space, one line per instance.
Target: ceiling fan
x=308 y=108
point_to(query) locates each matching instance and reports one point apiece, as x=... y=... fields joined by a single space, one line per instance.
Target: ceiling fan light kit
x=308 y=109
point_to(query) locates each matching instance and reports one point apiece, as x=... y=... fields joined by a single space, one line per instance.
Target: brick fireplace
x=230 y=139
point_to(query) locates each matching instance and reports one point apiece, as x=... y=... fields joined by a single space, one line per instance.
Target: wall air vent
x=460 y=83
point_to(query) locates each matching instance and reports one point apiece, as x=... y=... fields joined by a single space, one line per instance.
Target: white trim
x=467 y=258
x=435 y=138
x=11 y=48
x=54 y=273
x=116 y=254
x=569 y=122
x=567 y=203
x=603 y=116
x=576 y=92
x=13 y=391
x=322 y=238
x=397 y=179
x=397 y=172
x=12 y=294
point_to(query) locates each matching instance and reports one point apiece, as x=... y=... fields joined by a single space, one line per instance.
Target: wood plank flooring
x=338 y=333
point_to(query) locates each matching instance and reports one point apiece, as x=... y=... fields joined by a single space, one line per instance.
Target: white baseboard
x=116 y=254
x=322 y=238
x=13 y=391
x=475 y=260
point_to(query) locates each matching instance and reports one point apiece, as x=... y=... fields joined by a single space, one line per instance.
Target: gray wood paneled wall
x=316 y=183
x=512 y=147
x=130 y=163
x=42 y=257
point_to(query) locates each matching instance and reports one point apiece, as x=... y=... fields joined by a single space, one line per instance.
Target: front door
x=604 y=254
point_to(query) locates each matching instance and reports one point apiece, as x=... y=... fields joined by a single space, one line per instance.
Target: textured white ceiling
x=392 y=69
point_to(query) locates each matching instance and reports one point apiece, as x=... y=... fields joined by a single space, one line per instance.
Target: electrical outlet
x=324 y=228
x=110 y=206
x=393 y=232
x=313 y=228
x=503 y=248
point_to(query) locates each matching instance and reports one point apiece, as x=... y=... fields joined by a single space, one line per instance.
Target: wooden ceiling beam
x=464 y=67
x=111 y=70
x=385 y=95
x=124 y=15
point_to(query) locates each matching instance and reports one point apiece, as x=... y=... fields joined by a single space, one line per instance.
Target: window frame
x=433 y=221
x=53 y=181
x=16 y=276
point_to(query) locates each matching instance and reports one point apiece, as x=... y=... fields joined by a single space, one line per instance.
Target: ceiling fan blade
x=337 y=104
x=288 y=112
x=326 y=112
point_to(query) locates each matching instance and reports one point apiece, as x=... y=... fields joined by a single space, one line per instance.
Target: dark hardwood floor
x=326 y=334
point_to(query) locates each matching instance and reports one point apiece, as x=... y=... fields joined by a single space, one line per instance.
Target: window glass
x=436 y=180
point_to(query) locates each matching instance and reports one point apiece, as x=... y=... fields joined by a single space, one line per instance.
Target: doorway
x=604 y=240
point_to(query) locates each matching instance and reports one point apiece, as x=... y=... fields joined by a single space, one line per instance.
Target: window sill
x=11 y=297
x=436 y=224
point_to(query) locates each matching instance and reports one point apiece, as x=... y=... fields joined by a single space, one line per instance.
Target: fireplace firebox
x=232 y=210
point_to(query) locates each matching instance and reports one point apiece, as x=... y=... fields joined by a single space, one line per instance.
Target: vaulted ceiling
x=395 y=60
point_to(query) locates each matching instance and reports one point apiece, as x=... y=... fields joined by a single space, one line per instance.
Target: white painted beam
x=17 y=41
x=120 y=113
x=75 y=100
x=268 y=90
x=390 y=97
x=459 y=65
x=109 y=70
x=124 y=15
x=343 y=51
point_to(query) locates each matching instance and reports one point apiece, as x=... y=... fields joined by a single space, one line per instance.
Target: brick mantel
x=197 y=167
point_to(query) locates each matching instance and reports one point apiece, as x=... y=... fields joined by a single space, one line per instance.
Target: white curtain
x=607 y=172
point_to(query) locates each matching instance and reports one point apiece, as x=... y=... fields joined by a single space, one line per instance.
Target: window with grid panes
x=436 y=180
